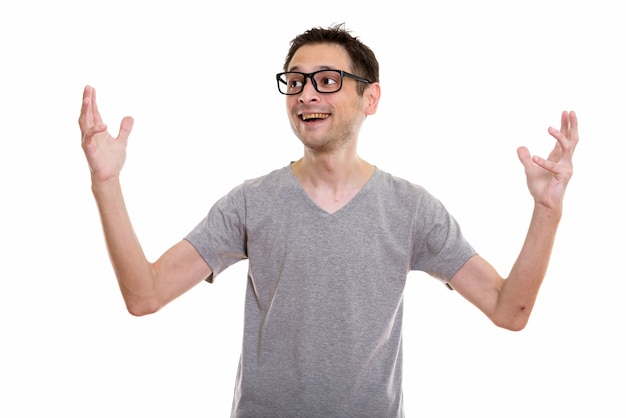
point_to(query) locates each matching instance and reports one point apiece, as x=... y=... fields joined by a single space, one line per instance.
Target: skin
x=146 y=287
x=331 y=172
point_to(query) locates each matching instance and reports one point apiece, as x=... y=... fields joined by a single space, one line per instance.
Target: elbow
x=140 y=305
x=516 y=325
x=512 y=322
x=140 y=311
x=141 y=308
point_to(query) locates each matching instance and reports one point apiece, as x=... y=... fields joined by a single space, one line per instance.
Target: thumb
x=524 y=156
x=126 y=126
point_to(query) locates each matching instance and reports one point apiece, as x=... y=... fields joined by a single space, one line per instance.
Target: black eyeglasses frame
x=342 y=73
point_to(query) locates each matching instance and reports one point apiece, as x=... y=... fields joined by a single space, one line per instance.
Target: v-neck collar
x=309 y=201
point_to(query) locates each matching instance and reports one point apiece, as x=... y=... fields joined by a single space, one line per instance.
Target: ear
x=371 y=97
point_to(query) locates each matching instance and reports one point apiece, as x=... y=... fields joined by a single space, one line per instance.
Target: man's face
x=325 y=121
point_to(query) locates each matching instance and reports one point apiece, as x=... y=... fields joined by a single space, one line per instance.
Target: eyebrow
x=318 y=68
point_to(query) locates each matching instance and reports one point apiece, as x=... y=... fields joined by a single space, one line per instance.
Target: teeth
x=315 y=116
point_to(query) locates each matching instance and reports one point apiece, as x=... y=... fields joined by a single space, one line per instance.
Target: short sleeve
x=220 y=238
x=440 y=249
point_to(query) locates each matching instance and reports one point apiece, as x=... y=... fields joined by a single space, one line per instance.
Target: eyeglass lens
x=324 y=82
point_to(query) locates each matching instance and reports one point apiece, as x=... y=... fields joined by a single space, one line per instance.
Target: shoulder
x=261 y=183
x=393 y=185
x=268 y=190
x=400 y=192
x=270 y=180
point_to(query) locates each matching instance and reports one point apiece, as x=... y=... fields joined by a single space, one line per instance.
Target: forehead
x=317 y=56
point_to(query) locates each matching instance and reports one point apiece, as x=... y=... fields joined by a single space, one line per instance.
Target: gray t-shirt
x=324 y=301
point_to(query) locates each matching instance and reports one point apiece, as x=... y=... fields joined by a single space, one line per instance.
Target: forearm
x=134 y=273
x=519 y=291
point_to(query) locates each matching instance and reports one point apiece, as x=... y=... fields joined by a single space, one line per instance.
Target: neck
x=336 y=171
x=331 y=181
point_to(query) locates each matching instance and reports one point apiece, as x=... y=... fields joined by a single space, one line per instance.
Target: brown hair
x=364 y=62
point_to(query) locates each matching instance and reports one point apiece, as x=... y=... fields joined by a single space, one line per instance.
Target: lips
x=309 y=116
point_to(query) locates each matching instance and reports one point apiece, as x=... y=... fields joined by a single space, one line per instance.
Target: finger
x=567 y=138
x=126 y=126
x=565 y=123
x=94 y=108
x=547 y=165
x=91 y=131
x=573 y=127
x=533 y=161
x=562 y=135
x=565 y=127
x=85 y=119
x=524 y=156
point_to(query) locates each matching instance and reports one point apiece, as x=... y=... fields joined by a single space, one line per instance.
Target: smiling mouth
x=314 y=116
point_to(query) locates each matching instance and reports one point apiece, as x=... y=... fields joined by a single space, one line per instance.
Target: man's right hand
x=105 y=154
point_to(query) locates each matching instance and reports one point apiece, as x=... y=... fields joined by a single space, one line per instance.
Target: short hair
x=364 y=62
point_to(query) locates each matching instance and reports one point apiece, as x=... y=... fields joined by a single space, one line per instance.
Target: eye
x=293 y=79
x=328 y=78
x=293 y=82
x=328 y=81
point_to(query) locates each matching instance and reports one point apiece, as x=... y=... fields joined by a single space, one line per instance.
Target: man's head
x=331 y=86
x=364 y=62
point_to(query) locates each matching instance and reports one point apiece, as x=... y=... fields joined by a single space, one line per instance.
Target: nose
x=308 y=93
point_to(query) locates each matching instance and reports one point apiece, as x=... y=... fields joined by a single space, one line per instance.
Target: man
x=330 y=240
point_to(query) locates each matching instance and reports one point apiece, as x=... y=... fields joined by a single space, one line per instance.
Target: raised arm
x=145 y=286
x=509 y=302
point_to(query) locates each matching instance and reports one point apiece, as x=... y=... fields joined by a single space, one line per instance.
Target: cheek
x=290 y=103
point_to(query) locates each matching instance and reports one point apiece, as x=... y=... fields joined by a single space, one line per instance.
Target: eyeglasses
x=324 y=81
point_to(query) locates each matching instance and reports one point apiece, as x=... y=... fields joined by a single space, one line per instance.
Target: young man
x=330 y=240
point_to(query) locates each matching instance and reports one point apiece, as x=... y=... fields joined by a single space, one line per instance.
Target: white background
x=464 y=84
